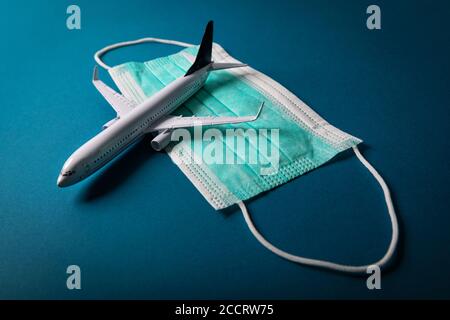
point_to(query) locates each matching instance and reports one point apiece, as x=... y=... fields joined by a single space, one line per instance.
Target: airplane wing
x=174 y=122
x=119 y=103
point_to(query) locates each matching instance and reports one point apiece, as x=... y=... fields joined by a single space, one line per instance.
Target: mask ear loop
x=330 y=265
x=101 y=52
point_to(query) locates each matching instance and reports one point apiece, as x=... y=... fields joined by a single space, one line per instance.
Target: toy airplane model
x=133 y=120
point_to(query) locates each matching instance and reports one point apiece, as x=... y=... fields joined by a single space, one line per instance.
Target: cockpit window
x=68 y=173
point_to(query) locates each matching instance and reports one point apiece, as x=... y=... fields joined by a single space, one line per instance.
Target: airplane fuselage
x=129 y=128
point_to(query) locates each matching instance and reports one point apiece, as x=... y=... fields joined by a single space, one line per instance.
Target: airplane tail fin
x=204 y=52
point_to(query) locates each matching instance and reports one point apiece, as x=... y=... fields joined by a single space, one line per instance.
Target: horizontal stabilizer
x=226 y=65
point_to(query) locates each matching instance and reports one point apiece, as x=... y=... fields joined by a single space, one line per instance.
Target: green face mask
x=299 y=139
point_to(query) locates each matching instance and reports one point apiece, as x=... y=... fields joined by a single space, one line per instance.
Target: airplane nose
x=60 y=182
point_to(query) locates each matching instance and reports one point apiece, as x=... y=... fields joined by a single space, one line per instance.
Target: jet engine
x=161 y=140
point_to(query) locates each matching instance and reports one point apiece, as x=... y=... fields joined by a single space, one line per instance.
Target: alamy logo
x=74 y=279
x=374 y=280
x=374 y=20
x=234 y=146
x=73 y=21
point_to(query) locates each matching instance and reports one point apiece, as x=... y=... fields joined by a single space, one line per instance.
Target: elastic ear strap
x=101 y=52
x=326 y=264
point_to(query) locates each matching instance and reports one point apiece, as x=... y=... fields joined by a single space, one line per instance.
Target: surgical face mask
x=291 y=139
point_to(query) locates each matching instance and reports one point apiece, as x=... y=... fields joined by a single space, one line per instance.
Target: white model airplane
x=133 y=120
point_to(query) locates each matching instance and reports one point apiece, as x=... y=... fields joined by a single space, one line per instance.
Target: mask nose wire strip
x=326 y=264
x=101 y=52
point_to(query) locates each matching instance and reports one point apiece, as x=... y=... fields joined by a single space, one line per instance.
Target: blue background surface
x=139 y=229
